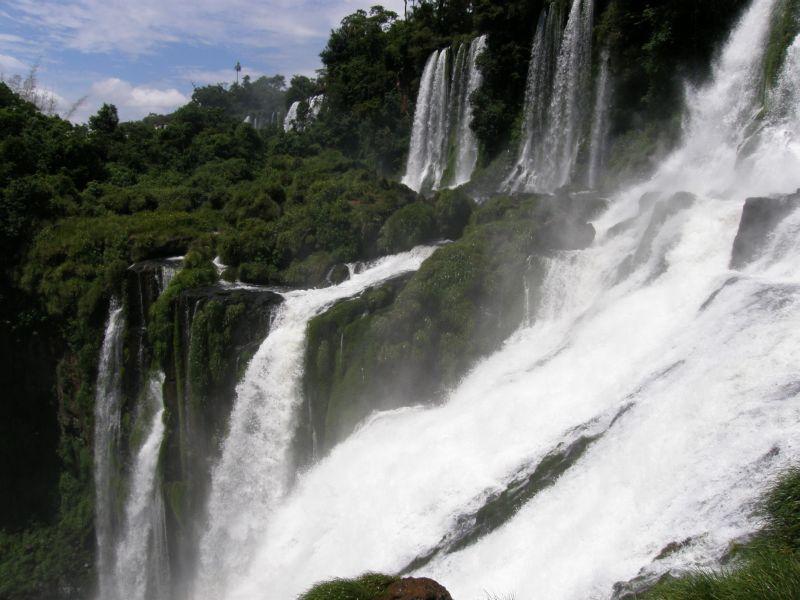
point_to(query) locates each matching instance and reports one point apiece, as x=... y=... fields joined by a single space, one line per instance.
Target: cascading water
x=132 y=554
x=554 y=112
x=255 y=468
x=291 y=116
x=598 y=140
x=673 y=376
x=107 y=415
x=293 y=122
x=427 y=151
x=141 y=560
x=442 y=131
x=466 y=142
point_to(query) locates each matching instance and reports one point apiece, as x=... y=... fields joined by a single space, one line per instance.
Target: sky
x=145 y=55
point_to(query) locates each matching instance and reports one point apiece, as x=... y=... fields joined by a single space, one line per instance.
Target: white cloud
x=132 y=101
x=11 y=65
x=141 y=27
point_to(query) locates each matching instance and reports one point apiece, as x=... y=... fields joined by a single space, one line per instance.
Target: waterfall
x=132 y=554
x=141 y=558
x=107 y=414
x=554 y=111
x=292 y=122
x=599 y=137
x=444 y=150
x=466 y=141
x=255 y=468
x=291 y=116
x=673 y=376
x=426 y=153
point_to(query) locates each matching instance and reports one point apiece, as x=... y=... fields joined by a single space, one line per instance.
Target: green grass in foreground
x=766 y=568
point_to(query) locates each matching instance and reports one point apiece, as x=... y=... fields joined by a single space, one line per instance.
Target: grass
x=367 y=587
x=768 y=567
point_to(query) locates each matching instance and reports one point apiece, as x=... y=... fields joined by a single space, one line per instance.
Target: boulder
x=415 y=588
x=760 y=217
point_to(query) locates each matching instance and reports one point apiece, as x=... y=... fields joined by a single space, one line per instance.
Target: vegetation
x=367 y=587
x=406 y=341
x=766 y=567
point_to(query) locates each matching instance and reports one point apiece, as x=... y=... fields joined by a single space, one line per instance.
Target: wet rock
x=760 y=218
x=339 y=273
x=415 y=588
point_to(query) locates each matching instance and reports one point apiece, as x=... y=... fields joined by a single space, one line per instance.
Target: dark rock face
x=760 y=217
x=415 y=588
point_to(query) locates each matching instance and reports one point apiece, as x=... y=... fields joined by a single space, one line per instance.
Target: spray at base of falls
x=558 y=81
x=255 y=468
x=442 y=131
x=685 y=370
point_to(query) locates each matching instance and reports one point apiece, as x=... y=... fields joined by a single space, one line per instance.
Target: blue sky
x=144 y=55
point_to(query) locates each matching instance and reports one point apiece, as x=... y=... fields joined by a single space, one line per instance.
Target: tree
x=106 y=119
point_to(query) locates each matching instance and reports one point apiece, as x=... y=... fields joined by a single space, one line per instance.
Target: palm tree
x=237 y=68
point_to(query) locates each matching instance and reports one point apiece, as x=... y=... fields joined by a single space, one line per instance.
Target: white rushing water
x=599 y=136
x=466 y=141
x=442 y=131
x=141 y=560
x=107 y=414
x=291 y=116
x=427 y=151
x=255 y=469
x=683 y=371
x=293 y=122
x=554 y=111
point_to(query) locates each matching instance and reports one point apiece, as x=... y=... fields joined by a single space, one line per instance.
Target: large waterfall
x=444 y=149
x=663 y=381
x=255 y=470
x=558 y=82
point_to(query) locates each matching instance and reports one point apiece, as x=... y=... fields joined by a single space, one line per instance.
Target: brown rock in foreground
x=415 y=588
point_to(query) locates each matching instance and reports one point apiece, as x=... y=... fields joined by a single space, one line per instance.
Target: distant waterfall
x=599 y=137
x=444 y=150
x=558 y=81
x=107 y=415
x=255 y=468
x=293 y=121
x=291 y=116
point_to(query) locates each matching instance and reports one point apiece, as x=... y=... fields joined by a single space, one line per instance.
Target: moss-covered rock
x=410 y=226
x=406 y=343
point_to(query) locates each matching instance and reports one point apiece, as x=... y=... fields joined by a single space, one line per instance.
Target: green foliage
x=785 y=27
x=401 y=343
x=767 y=567
x=367 y=587
x=257 y=99
x=211 y=338
x=410 y=226
x=197 y=271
